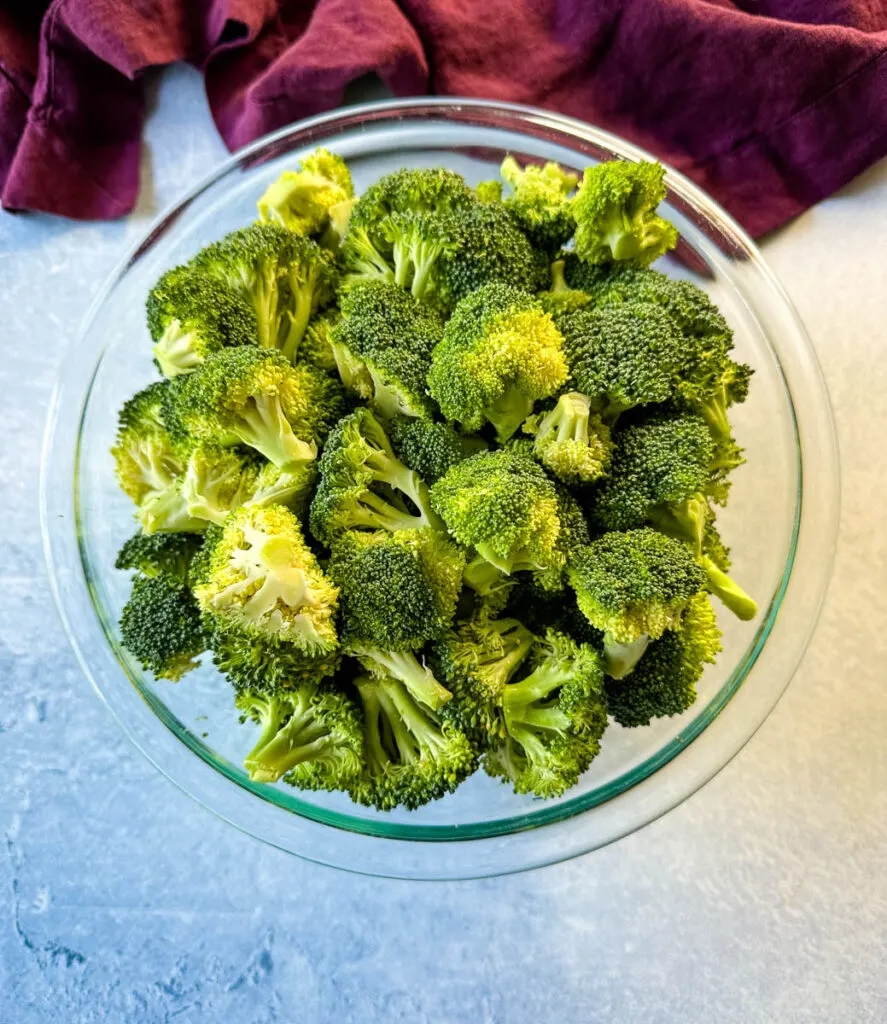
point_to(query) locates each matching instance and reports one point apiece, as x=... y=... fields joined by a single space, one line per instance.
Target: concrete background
x=761 y=899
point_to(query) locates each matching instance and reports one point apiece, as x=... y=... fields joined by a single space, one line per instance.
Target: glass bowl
x=781 y=521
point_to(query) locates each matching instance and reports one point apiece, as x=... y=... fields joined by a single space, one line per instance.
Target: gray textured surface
x=761 y=899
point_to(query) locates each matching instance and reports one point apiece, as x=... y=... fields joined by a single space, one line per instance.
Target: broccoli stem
x=404 y=666
x=263 y=426
x=166 y=511
x=303 y=300
x=620 y=659
x=282 y=747
x=375 y=513
x=508 y=412
x=264 y=295
x=521 y=701
x=619 y=234
x=175 y=351
x=714 y=412
x=483 y=577
x=730 y=593
x=558 y=281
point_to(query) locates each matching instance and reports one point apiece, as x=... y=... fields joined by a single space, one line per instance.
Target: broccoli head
x=161 y=626
x=499 y=353
x=571 y=440
x=615 y=212
x=160 y=554
x=430 y=448
x=539 y=201
x=302 y=200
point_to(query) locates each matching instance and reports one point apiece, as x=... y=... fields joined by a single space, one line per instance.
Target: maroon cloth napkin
x=770 y=105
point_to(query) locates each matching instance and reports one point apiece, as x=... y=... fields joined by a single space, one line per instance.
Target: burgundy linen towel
x=770 y=105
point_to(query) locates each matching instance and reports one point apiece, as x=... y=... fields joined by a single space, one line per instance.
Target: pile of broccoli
x=431 y=476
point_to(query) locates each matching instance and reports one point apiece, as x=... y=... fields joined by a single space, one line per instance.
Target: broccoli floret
x=382 y=347
x=263 y=581
x=301 y=200
x=503 y=505
x=500 y=352
x=552 y=720
x=406 y=668
x=418 y=241
x=622 y=356
x=160 y=554
x=476 y=662
x=311 y=737
x=615 y=212
x=430 y=448
x=317 y=345
x=540 y=609
x=539 y=201
x=190 y=316
x=633 y=586
x=664 y=681
x=218 y=480
x=252 y=397
x=161 y=627
x=398 y=590
x=560 y=298
x=284 y=276
x=489 y=191
x=571 y=440
x=410 y=756
x=265 y=665
x=364 y=485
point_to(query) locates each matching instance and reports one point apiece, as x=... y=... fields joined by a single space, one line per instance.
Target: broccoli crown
x=664 y=681
x=615 y=212
x=502 y=504
x=411 y=191
x=263 y=581
x=410 y=756
x=159 y=554
x=552 y=719
x=571 y=440
x=539 y=201
x=622 y=356
x=428 y=447
x=488 y=248
x=633 y=583
x=499 y=353
x=253 y=397
x=382 y=346
x=146 y=457
x=662 y=460
x=311 y=737
x=301 y=200
x=286 y=278
x=161 y=627
x=476 y=661
x=191 y=316
x=364 y=485
x=398 y=590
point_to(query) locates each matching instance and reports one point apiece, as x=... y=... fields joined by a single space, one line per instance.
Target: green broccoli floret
x=500 y=352
x=160 y=554
x=615 y=212
x=551 y=721
x=664 y=681
x=503 y=505
x=489 y=191
x=311 y=737
x=263 y=581
x=252 y=397
x=218 y=480
x=539 y=201
x=364 y=485
x=410 y=756
x=476 y=661
x=316 y=348
x=633 y=586
x=571 y=440
x=382 y=347
x=418 y=241
x=622 y=356
x=265 y=665
x=540 y=609
x=190 y=316
x=430 y=448
x=302 y=200
x=284 y=276
x=560 y=298
x=398 y=590
x=161 y=627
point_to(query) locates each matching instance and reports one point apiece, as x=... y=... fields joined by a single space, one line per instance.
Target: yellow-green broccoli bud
x=302 y=200
x=571 y=440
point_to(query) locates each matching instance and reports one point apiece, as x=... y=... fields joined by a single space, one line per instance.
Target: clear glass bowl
x=781 y=522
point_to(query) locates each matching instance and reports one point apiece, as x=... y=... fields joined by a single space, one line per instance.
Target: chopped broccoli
x=316 y=348
x=302 y=200
x=410 y=756
x=263 y=581
x=160 y=625
x=571 y=440
x=363 y=485
x=615 y=212
x=430 y=448
x=311 y=737
x=160 y=554
x=552 y=720
x=560 y=298
x=539 y=201
x=406 y=668
x=489 y=191
x=633 y=586
x=500 y=352
x=664 y=681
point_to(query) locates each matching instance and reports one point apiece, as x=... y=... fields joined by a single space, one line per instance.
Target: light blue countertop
x=761 y=899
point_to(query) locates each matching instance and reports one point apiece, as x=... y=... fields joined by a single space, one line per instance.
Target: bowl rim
x=570 y=810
